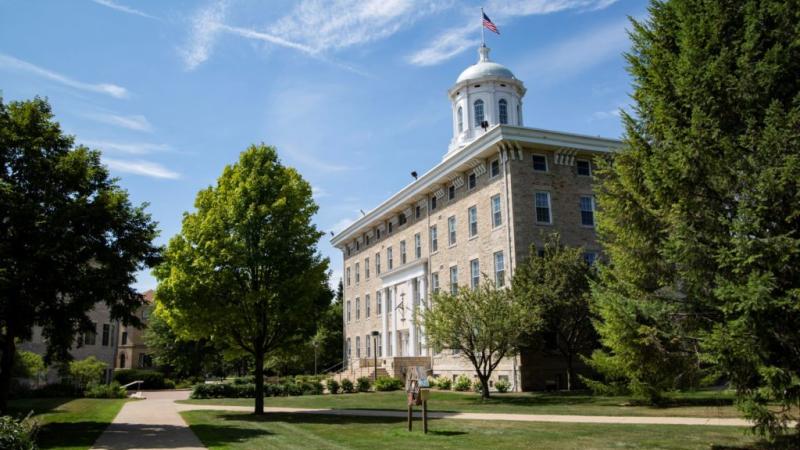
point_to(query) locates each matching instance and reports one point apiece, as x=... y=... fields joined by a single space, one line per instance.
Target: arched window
x=460 y=119
x=503 y=111
x=478 y=112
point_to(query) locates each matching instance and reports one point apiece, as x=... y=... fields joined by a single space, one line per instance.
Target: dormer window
x=503 y=111
x=460 y=119
x=478 y=106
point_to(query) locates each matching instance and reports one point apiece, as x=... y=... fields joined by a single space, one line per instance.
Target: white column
x=423 y=297
x=412 y=330
x=394 y=321
x=384 y=320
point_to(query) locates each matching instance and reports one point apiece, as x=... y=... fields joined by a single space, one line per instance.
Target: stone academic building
x=501 y=187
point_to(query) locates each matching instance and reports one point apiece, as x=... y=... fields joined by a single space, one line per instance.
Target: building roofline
x=411 y=192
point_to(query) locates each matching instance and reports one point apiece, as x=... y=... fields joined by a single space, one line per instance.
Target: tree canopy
x=484 y=324
x=700 y=210
x=70 y=236
x=245 y=268
x=554 y=291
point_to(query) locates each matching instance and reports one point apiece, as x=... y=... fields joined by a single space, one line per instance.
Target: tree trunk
x=484 y=386
x=259 y=357
x=570 y=372
x=6 y=363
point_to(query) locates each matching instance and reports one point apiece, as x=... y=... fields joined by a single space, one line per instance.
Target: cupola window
x=503 y=109
x=478 y=112
x=460 y=119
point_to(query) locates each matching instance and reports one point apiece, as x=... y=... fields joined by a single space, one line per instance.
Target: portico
x=404 y=295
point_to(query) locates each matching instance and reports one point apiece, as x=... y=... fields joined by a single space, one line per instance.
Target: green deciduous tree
x=700 y=210
x=86 y=371
x=69 y=237
x=484 y=323
x=554 y=290
x=245 y=268
x=180 y=357
x=28 y=365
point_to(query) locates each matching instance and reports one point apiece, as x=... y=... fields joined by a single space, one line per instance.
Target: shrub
x=462 y=384
x=311 y=387
x=27 y=365
x=477 y=386
x=86 y=371
x=292 y=389
x=363 y=384
x=152 y=379
x=384 y=384
x=502 y=386
x=219 y=390
x=17 y=434
x=169 y=384
x=332 y=385
x=444 y=384
x=113 y=390
x=347 y=386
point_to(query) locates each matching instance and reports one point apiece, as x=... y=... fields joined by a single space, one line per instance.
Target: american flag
x=487 y=22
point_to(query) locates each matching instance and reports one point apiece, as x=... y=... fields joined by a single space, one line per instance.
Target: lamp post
x=375 y=335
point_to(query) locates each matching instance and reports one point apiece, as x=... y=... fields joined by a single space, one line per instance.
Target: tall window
x=543 y=207
x=540 y=163
x=378 y=263
x=90 y=337
x=358 y=346
x=478 y=105
x=389 y=344
x=451 y=230
x=402 y=252
x=499 y=269
x=358 y=273
x=474 y=273
x=366 y=268
x=435 y=282
x=389 y=259
x=417 y=246
x=433 y=203
x=494 y=168
x=368 y=346
x=347 y=276
x=367 y=305
x=434 y=239
x=349 y=349
x=454 y=280
x=417 y=212
x=358 y=308
x=497 y=213
x=401 y=219
x=583 y=167
x=379 y=344
x=503 y=108
x=451 y=192
x=460 y=119
x=106 y=334
x=378 y=303
x=472 y=181
x=348 y=310
x=587 y=210
x=124 y=338
x=472 y=214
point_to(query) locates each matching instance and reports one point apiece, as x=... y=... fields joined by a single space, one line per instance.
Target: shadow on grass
x=222 y=435
x=787 y=442
x=74 y=434
x=23 y=406
x=446 y=433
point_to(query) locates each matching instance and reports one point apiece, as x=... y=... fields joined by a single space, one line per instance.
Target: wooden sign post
x=417 y=389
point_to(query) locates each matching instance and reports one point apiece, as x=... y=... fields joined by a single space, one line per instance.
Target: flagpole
x=483 y=38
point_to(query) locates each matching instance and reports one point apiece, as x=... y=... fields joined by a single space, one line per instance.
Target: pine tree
x=700 y=211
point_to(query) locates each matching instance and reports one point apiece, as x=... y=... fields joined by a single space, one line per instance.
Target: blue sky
x=351 y=92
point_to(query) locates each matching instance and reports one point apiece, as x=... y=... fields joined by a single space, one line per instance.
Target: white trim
x=405 y=273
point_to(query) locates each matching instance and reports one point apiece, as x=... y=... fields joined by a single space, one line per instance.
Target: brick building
x=132 y=352
x=500 y=188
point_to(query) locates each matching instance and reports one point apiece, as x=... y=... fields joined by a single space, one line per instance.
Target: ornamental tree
x=554 y=290
x=485 y=324
x=700 y=209
x=70 y=237
x=245 y=268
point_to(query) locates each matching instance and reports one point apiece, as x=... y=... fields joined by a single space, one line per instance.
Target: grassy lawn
x=229 y=430
x=695 y=404
x=69 y=423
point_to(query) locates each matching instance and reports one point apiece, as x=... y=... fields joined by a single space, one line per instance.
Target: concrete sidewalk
x=552 y=418
x=152 y=423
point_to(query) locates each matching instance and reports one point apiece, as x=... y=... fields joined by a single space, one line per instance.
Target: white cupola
x=485 y=94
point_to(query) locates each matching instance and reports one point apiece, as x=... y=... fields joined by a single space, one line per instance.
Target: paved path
x=153 y=423
x=637 y=420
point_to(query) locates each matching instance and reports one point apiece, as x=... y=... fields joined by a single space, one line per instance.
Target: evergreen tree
x=700 y=210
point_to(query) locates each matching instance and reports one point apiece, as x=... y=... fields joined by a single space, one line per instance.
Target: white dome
x=485 y=68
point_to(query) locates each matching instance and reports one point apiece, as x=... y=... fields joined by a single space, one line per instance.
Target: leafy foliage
x=70 y=237
x=332 y=385
x=444 y=383
x=699 y=211
x=502 y=386
x=111 y=390
x=363 y=384
x=182 y=357
x=385 y=384
x=17 y=434
x=245 y=269
x=485 y=324
x=86 y=371
x=462 y=384
x=347 y=386
x=554 y=291
x=28 y=365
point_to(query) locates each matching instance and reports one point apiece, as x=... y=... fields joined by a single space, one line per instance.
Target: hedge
x=231 y=390
x=388 y=384
x=152 y=379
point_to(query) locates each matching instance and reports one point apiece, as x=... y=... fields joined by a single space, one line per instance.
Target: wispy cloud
x=576 y=54
x=123 y=8
x=141 y=167
x=131 y=148
x=455 y=40
x=11 y=63
x=135 y=122
x=313 y=27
